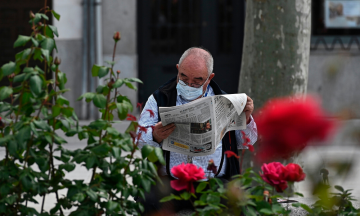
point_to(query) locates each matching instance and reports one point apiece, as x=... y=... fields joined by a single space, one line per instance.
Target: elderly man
x=194 y=81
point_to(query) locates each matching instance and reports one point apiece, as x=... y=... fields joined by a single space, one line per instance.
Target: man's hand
x=161 y=132
x=249 y=108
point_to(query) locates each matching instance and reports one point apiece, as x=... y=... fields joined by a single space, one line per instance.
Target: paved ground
x=344 y=147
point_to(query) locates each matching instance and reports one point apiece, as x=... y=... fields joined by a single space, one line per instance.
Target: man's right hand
x=161 y=132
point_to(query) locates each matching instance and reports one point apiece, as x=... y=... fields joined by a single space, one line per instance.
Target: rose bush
x=186 y=174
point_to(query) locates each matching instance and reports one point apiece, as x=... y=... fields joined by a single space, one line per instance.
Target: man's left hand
x=249 y=108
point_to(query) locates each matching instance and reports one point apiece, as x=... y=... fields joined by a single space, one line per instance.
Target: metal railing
x=336 y=42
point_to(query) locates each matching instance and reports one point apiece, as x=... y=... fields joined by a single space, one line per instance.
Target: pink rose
x=186 y=174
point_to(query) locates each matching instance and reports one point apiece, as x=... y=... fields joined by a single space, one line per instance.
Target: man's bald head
x=195 y=57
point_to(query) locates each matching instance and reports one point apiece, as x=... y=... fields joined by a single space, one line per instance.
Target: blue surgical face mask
x=187 y=92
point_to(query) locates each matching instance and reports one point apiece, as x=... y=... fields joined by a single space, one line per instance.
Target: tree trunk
x=276 y=49
x=276 y=54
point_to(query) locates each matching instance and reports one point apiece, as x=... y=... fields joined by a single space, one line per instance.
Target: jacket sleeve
x=250 y=131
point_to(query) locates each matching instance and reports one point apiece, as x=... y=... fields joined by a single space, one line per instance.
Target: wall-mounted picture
x=342 y=14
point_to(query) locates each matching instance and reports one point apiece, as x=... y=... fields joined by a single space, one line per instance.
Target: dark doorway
x=14 y=21
x=166 y=28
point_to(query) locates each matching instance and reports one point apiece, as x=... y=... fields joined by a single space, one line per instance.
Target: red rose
x=293 y=172
x=186 y=174
x=272 y=174
x=286 y=125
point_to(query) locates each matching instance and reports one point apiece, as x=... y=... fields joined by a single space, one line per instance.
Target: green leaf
x=56 y=110
x=299 y=194
x=35 y=42
x=201 y=187
x=99 y=71
x=101 y=150
x=23 y=134
x=36 y=85
x=61 y=100
x=134 y=80
x=62 y=80
x=98 y=124
x=99 y=101
x=213 y=199
x=93 y=196
x=112 y=131
x=159 y=155
x=306 y=208
x=250 y=212
x=88 y=96
x=122 y=111
x=67 y=111
x=54 y=30
x=46 y=54
x=266 y=211
x=5 y=92
x=130 y=85
x=118 y=83
x=67 y=166
x=43 y=125
x=29 y=70
x=168 y=198
x=116 y=151
x=56 y=15
x=21 y=40
x=44 y=16
x=339 y=188
x=185 y=195
x=8 y=68
x=37 y=55
x=90 y=161
x=146 y=150
x=19 y=78
x=48 y=44
x=111 y=205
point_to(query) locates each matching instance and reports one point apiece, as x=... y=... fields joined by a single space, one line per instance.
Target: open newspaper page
x=201 y=124
x=229 y=114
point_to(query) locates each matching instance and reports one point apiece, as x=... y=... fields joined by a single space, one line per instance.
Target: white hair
x=209 y=61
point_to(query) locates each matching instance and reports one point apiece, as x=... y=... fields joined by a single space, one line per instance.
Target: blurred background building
x=154 y=34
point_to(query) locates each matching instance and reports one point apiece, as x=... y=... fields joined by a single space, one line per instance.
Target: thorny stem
x=45 y=63
x=113 y=59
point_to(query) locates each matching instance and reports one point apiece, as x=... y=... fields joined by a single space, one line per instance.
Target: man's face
x=194 y=71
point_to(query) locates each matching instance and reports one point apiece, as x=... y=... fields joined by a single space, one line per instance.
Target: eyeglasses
x=194 y=85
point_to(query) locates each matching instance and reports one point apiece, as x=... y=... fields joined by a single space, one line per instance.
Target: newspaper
x=201 y=124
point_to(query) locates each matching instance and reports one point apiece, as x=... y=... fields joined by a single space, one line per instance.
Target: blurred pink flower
x=286 y=125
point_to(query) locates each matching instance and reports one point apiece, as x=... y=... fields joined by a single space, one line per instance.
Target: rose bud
x=211 y=166
x=40 y=24
x=118 y=72
x=32 y=15
x=57 y=61
x=117 y=36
